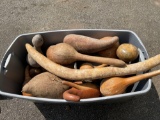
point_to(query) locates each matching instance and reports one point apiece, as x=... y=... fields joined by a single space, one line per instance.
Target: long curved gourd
x=97 y=73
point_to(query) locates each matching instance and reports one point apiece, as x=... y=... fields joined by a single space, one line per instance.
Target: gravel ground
x=140 y=16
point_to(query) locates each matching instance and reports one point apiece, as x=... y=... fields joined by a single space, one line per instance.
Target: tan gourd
x=64 y=53
x=111 y=51
x=45 y=85
x=118 y=85
x=96 y=73
x=127 y=52
x=85 y=44
x=90 y=66
x=85 y=90
x=86 y=66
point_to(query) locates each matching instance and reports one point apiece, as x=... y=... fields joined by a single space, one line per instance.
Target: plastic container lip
x=82 y=100
x=65 y=30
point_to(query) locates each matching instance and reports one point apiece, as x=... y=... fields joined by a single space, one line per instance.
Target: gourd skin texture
x=96 y=73
x=118 y=85
x=86 y=66
x=75 y=95
x=64 y=53
x=59 y=54
x=72 y=94
x=127 y=52
x=45 y=85
x=77 y=92
x=84 y=44
x=111 y=51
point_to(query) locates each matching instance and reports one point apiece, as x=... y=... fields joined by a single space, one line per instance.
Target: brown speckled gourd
x=63 y=53
x=96 y=73
x=45 y=85
x=85 y=44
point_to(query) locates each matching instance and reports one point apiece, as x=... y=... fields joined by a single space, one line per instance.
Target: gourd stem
x=72 y=85
x=101 y=60
x=140 y=77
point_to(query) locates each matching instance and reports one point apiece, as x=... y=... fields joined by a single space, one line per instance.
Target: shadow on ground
x=140 y=107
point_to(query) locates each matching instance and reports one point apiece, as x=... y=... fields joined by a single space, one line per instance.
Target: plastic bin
x=14 y=62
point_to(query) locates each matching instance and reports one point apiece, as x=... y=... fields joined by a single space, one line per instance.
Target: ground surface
x=140 y=16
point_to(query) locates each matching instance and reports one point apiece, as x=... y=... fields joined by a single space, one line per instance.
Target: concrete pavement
x=142 y=17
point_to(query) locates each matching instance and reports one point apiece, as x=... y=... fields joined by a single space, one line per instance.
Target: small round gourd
x=127 y=52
